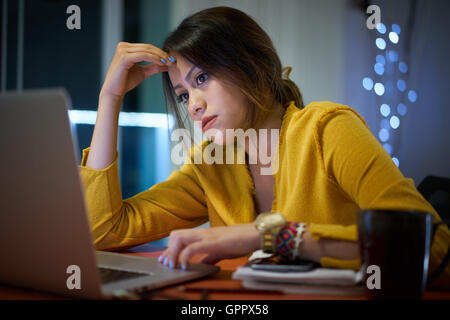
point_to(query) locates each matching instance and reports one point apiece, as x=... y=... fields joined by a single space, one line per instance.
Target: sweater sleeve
x=178 y=202
x=355 y=161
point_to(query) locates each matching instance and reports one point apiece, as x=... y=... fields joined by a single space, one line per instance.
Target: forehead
x=179 y=70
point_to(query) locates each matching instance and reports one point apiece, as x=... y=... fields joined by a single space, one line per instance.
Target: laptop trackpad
x=144 y=264
x=125 y=262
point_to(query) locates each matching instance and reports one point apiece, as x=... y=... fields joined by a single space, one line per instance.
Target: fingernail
x=172 y=59
x=160 y=258
x=183 y=266
x=171 y=264
x=163 y=61
x=165 y=261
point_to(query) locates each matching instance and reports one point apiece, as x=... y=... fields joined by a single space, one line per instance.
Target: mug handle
x=446 y=259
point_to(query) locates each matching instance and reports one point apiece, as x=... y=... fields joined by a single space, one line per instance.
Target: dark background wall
x=422 y=142
x=55 y=55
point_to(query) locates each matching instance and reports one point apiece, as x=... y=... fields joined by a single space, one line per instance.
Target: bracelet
x=289 y=239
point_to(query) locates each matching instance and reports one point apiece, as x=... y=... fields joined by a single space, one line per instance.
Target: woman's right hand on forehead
x=125 y=74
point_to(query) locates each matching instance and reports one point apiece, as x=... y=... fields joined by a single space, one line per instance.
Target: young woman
x=222 y=69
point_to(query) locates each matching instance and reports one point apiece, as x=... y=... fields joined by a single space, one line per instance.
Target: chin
x=216 y=136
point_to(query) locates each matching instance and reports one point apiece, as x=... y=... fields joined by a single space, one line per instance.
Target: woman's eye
x=202 y=76
x=180 y=98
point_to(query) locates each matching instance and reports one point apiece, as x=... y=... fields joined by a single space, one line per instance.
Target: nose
x=197 y=106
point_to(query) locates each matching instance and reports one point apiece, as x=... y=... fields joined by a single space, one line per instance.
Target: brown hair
x=229 y=45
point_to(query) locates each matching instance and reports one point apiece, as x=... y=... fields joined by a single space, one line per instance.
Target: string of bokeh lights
x=389 y=84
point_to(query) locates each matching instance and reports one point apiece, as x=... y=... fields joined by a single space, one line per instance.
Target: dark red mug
x=395 y=250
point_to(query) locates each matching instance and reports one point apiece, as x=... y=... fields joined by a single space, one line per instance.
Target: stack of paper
x=323 y=281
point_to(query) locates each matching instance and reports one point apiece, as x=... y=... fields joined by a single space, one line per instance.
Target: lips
x=207 y=121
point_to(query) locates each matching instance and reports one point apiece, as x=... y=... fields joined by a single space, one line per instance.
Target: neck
x=264 y=138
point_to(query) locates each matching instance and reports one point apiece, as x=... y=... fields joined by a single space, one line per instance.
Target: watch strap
x=268 y=242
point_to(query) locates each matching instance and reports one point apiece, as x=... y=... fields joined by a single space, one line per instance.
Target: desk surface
x=219 y=286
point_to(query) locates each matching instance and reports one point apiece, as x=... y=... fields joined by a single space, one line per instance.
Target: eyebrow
x=188 y=75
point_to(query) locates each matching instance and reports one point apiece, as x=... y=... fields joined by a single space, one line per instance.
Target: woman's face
x=205 y=96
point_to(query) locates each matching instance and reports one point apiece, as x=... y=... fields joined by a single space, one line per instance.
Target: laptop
x=45 y=239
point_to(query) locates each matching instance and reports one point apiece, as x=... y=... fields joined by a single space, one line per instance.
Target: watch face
x=270 y=220
x=274 y=220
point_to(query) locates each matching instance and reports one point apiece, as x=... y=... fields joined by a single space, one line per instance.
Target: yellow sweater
x=330 y=165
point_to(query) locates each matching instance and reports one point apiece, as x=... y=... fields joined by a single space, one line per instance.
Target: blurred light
x=82 y=116
x=380 y=59
x=367 y=84
x=383 y=135
x=379 y=89
x=385 y=110
x=380 y=43
x=396 y=28
x=381 y=28
x=401 y=109
x=403 y=67
x=146 y=120
x=393 y=37
x=392 y=55
x=401 y=85
x=394 y=122
x=388 y=148
x=379 y=68
x=412 y=96
x=397 y=163
x=126 y=119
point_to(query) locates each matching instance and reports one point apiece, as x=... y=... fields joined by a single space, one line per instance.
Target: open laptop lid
x=42 y=230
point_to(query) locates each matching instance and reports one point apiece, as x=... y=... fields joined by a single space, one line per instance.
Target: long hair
x=229 y=45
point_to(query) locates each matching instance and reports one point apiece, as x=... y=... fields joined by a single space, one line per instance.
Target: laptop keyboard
x=112 y=275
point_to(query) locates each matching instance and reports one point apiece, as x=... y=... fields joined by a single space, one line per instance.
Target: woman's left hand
x=217 y=243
